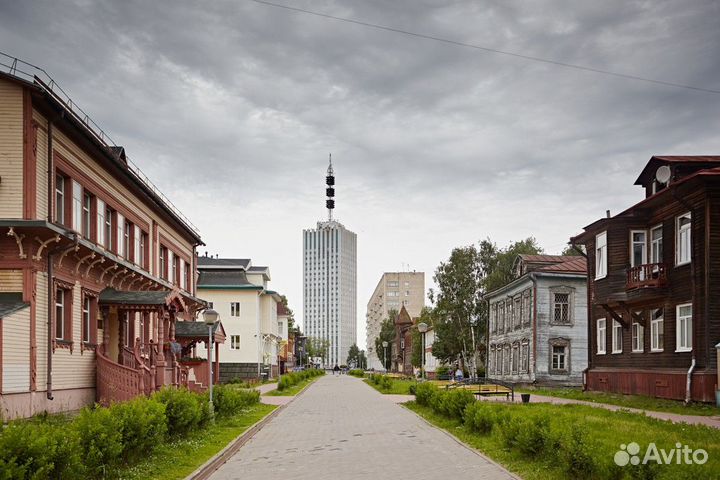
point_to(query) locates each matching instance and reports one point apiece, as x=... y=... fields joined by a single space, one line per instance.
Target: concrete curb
x=220 y=458
x=460 y=442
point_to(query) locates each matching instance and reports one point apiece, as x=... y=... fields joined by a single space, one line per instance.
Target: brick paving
x=341 y=429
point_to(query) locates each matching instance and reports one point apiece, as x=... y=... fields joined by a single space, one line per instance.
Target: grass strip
x=397 y=387
x=608 y=431
x=291 y=391
x=628 y=401
x=178 y=458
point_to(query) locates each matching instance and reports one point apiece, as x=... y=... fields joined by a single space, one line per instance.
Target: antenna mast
x=330 y=190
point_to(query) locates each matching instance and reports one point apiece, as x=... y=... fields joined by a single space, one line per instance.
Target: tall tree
x=362 y=360
x=353 y=355
x=291 y=315
x=497 y=264
x=458 y=306
x=317 y=347
x=573 y=251
x=426 y=317
x=387 y=334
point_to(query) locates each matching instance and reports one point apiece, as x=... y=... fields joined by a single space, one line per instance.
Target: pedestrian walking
x=336 y=369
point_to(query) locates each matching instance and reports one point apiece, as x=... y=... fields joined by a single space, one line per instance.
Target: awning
x=199 y=331
x=148 y=299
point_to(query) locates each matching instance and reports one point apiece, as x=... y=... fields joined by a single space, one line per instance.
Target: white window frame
x=59 y=198
x=644 y=246
x=77 y=206
x=683 y=327
x=656 y=246
x=683 y=240
x=638 y=337
x=120 y=226
x=656 y=326
x=558 y=356
x=100 y=226
x=86 y=305
x=60 y=314
x=234 y=309
x=601 y=326
x=616 y=337
x=601 y=260
x=234 y=342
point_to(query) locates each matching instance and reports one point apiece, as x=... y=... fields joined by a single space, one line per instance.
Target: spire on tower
x=330 y=190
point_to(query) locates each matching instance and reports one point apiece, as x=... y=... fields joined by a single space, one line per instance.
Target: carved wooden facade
x=78 y=224
x=654 y=285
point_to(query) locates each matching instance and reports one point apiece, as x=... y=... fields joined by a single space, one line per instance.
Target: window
x=517 y=311
x=210 y=305
x=175 y=270
x=125 y=324
x=684 y=328
x=144 y=328
x=525 y=356
x=561 y=303
x=638 y=248
x=121 y=243
x=393 y=283
x=59 y=199
x=137 y=246
x=100 y=226
x=407 y=293
x=558 y=357
x=515 y=357
x=617 y=345
x=527 y=312
x=683 y=241
x=163 y=262
x=657 y=328
x=501 y=318
x=234 y=342
x=183 y=275
x=86 y=319
x=638 y=337
x=601 y=256
x=60 y=314
x=656 y=245
x=127 y=232
x=235 y=309
x=109 y=231
x=601 y=336
x=77 y=204
x=393 y=294
x=86 y=215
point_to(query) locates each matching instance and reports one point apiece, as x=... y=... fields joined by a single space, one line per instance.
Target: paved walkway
x=673 y=417
x=341 y=429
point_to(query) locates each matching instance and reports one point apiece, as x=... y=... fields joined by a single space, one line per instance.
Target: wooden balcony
x=650 y=275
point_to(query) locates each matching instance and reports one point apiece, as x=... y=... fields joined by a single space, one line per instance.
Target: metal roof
x=226 y=278
x=225 y=263
x=11 y=303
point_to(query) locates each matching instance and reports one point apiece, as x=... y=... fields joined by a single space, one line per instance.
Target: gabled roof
x=223 y=263
x=199 y=330
x=282 y=310
x=658 y=160
x=11 y=303
x=403 y=318
x=576 y=265
x=230 y=279
x=149 y=298
x=550 y=259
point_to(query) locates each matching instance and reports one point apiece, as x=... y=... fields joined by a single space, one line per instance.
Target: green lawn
x=606 y=431
x=291 y=391
x=628 y=401
x=177 y=459
x=399 y=387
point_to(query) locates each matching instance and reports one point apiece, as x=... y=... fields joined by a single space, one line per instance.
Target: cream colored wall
x=11 y=150
x=269 y=325
x=245 y=325
x=41 y=162
x=41 y=319
x=257 y=279
x=11 y=281
x=15 y=352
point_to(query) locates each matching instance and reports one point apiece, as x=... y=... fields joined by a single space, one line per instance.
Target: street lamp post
x=210 y=317
x=422 y=328
x=385 y=345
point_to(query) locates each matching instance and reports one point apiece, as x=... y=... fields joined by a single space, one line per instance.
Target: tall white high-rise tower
x=330 y=282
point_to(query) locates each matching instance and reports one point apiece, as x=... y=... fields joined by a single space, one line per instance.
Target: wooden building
x=96 y=266
x=401 y=349
x=537 y=330
x=654 y=285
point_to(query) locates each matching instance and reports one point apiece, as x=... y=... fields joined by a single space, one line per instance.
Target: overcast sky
x=232 y=107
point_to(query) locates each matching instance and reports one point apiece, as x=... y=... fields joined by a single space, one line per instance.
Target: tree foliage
x=291 y=315
x=573 y=251
x=387 y=334
x=426 y=316
x=353 y=354
x=317 y=347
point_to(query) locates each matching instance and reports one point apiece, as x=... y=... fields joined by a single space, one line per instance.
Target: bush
x=442 y=370
x=356 y=372
x=183 y=409
x=412 y=388
x=230 y=401
x=480 y=417
x=386 y=382
x=100 y=439
x=39 y=449
x=575 y=453
x=528 y=435
x=424 y=393
x=143 y=425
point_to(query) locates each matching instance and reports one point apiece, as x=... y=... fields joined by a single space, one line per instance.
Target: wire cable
x=488 y=49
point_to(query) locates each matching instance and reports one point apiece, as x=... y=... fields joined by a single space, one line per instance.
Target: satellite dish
x=663 y=174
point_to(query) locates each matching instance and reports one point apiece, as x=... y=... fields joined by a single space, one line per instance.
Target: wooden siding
x=42 y=166
x=11 y=150
x=15 y=352
x=11 y=281
x=41 y=320
x=74 y=368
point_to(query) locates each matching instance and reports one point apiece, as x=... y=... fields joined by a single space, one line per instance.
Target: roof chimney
x=607 y=213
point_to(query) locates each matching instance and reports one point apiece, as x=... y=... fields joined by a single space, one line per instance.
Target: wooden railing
x=649 y=275
x=117 y=383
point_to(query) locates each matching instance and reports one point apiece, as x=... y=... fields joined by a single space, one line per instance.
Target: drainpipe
x=693 y=262
x=50 y=309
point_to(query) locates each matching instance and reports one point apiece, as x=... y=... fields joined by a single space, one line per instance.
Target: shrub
x=356 y=372
x=480 y=417
x=39 y=449
x=100 y=439
x=528 y=435
x=230 y=401
x=575 y=452
x=442 y=370
x=412 y=388
x=386 y=382
x=143 y=424
x=424 y=393
x=183 y=409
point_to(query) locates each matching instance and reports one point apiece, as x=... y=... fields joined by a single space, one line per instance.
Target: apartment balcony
x=647 y=276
